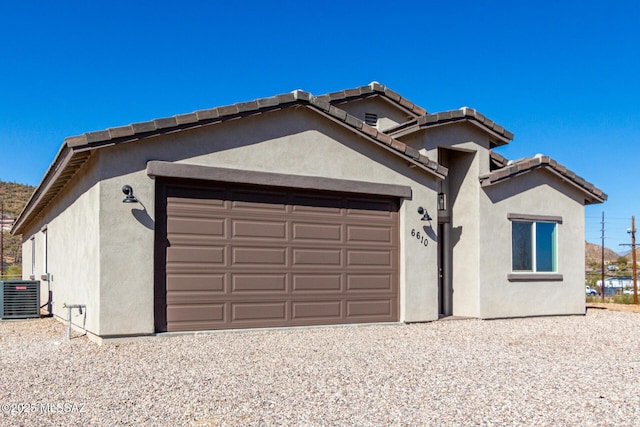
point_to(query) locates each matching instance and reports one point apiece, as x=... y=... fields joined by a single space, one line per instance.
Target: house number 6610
x=419 y=236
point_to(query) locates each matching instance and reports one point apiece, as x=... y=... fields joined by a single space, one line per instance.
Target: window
x=534 y=246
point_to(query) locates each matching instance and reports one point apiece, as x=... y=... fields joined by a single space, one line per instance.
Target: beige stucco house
x=353 y=207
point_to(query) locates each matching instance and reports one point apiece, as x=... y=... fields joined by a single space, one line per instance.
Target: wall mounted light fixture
x=128 y=192
x=442 y=202
x=425 y=215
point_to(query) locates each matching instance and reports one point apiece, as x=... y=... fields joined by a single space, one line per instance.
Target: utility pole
x=632 y=231
x=633 y=255
x=1 y=239
x=602 y=260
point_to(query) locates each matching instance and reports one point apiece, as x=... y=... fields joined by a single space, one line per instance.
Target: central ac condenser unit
x=19 y=299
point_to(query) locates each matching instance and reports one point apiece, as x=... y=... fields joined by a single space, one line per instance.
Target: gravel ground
x=555 y=371
x=631 y=308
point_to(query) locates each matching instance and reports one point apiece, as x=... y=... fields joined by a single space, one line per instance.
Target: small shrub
x=623 y=299
x=597 y=298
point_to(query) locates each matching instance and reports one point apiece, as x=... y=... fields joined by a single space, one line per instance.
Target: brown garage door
x=249 y=257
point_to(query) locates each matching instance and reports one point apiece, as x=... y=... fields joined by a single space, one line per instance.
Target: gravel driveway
x=555 y=371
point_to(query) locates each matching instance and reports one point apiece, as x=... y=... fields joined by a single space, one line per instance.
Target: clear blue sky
x=562 y=75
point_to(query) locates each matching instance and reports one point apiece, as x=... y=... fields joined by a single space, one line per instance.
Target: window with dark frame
x=534 y=246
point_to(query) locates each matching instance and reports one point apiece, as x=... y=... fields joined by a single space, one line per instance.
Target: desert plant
x=623 y=299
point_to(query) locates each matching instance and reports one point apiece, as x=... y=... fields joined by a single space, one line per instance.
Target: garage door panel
x=315 y=257
x=194 y=254
x=258 y=311
x=192 y=268
x=192 y=282
x=369 y=308
x=326 y=310
x=196 y=226
x=370 y=282
x=258 y=256
x=194 y=297
x=186 y=240
x=200 y=212
x=369 y=235
x=311 y=232
x=277 y=258
x=370 y=258
x=196 y=312
x=259 y=283
x=254 y=229
x=316 y=283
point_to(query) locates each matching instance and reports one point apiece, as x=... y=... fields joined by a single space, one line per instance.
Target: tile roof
x=201 y=118
x=497 y=161
x=445 y=117
x=373 y=89
x=76 y=150
x=512 y=169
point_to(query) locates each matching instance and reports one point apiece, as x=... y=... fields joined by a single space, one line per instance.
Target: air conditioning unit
x=19 y=299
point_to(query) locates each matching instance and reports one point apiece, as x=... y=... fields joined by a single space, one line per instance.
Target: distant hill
x=627 y=253
x=13 y=197
x=593 y=253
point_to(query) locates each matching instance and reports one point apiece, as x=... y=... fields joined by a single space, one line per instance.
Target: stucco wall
x=467 y=148
x=126 y=240
x=295 y=141
x=72 y=236
x=463 y=196
x=463 y=136
x=535 y=193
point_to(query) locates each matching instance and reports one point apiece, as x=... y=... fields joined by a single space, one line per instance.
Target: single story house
x=352 y=207
x=615 y=285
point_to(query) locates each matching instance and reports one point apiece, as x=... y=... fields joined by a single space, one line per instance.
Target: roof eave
x=500 y=135
x=375 y=89
x=496 y=177
x=593 y=197
x=66 y=163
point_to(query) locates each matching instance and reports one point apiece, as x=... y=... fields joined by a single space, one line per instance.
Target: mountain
x=627 y=253
x=593 y=254
x=13 y=197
